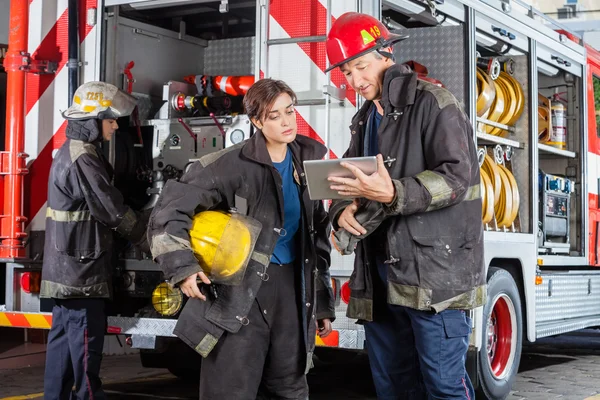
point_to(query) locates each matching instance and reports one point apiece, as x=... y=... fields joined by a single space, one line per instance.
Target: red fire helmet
x=354 y=35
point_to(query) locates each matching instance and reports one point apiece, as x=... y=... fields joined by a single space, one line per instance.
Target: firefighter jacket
x=432 y=230
x=242 y=177
x=83 y=210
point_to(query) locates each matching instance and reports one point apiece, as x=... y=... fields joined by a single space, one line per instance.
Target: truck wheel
x=502 y=336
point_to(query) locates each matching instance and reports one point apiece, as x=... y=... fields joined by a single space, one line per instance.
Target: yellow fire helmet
x=222 y=243
x=100 y=100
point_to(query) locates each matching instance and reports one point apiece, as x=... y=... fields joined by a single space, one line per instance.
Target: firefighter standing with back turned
x=84 y=209
x=415 y=224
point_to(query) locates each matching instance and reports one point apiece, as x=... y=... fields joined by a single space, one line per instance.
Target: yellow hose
x=487 y=198
x=499 y=194
x=490 y=167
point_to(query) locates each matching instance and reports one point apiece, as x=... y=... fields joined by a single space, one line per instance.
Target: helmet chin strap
x=387 y=54
x=384 y=53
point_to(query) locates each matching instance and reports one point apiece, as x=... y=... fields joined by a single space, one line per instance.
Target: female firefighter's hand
x=190 y=288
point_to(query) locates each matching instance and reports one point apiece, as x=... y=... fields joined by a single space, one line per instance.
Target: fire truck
x=526 y=83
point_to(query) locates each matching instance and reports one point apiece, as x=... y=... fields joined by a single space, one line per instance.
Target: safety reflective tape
x=473 y=193
x=26 y=320
x=260 y=258
x=68 y=216
x=223 y=84
x=332 y=340
x=24 y=397
x=166 y=243
x=438 y=188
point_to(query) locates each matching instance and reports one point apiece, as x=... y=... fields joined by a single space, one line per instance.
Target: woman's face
x=279 y=126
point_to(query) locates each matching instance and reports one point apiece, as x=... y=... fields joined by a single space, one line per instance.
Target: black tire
x=499 y=356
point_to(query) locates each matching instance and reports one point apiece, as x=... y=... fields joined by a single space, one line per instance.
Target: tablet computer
x=317 y=172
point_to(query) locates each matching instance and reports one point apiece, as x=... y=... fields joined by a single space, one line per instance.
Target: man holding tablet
x=415 y=224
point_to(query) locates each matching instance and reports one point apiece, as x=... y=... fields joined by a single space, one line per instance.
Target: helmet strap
x=386 y=54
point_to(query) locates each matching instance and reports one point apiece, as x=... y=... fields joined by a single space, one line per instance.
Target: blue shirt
x=371 y=138
x=285 y=249
x=377 y=239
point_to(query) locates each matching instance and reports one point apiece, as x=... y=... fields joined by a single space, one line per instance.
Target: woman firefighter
x=241 y=221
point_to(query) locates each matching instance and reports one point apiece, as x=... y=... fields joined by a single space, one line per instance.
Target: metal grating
x=565 y=302
x=143 y=326
x=230 y=57
x=442 y=51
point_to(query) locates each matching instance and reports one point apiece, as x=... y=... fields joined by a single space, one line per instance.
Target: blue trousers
x=74 y=350
x=417 y=354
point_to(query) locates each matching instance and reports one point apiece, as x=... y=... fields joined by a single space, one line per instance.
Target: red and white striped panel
x=301 y=65
x=47 y=95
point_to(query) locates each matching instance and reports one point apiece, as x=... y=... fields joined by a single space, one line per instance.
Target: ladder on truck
x=261 y=63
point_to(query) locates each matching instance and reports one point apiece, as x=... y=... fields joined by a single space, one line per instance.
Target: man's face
x=365 y=74
x=109 y=126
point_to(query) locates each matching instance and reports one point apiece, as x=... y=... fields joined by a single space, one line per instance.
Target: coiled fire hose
x=500 y=96
x=500 y=194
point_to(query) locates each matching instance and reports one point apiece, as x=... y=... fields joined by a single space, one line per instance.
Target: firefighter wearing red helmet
x=414 y=225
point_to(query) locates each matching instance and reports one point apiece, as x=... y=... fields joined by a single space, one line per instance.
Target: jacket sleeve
x=105 y=202
x=325 y=299
x=171 y=219
x=446 y=181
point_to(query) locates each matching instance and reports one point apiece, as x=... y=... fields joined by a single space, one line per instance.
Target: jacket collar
x=303 y=148
x=87 y=130
x=399 y=86
x=399 y=90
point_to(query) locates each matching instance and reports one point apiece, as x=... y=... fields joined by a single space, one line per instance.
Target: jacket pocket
x=444 y=263
x=195 y=330
x=446 y=242
x=85 y=240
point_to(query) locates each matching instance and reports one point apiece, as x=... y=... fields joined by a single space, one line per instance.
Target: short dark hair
x=261 y=96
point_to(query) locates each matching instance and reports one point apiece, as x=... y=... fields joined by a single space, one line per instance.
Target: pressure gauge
x=237 y=136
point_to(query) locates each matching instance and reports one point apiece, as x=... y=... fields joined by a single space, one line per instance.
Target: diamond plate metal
x=565 y=302
x=361 y=339
x=352 y=335
x=145 y=330
x=442 y=51
x=143 y=326
x=558 y=328
x=229 y=57
x=351 y=340
x=143 y=341
x=342 y=322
